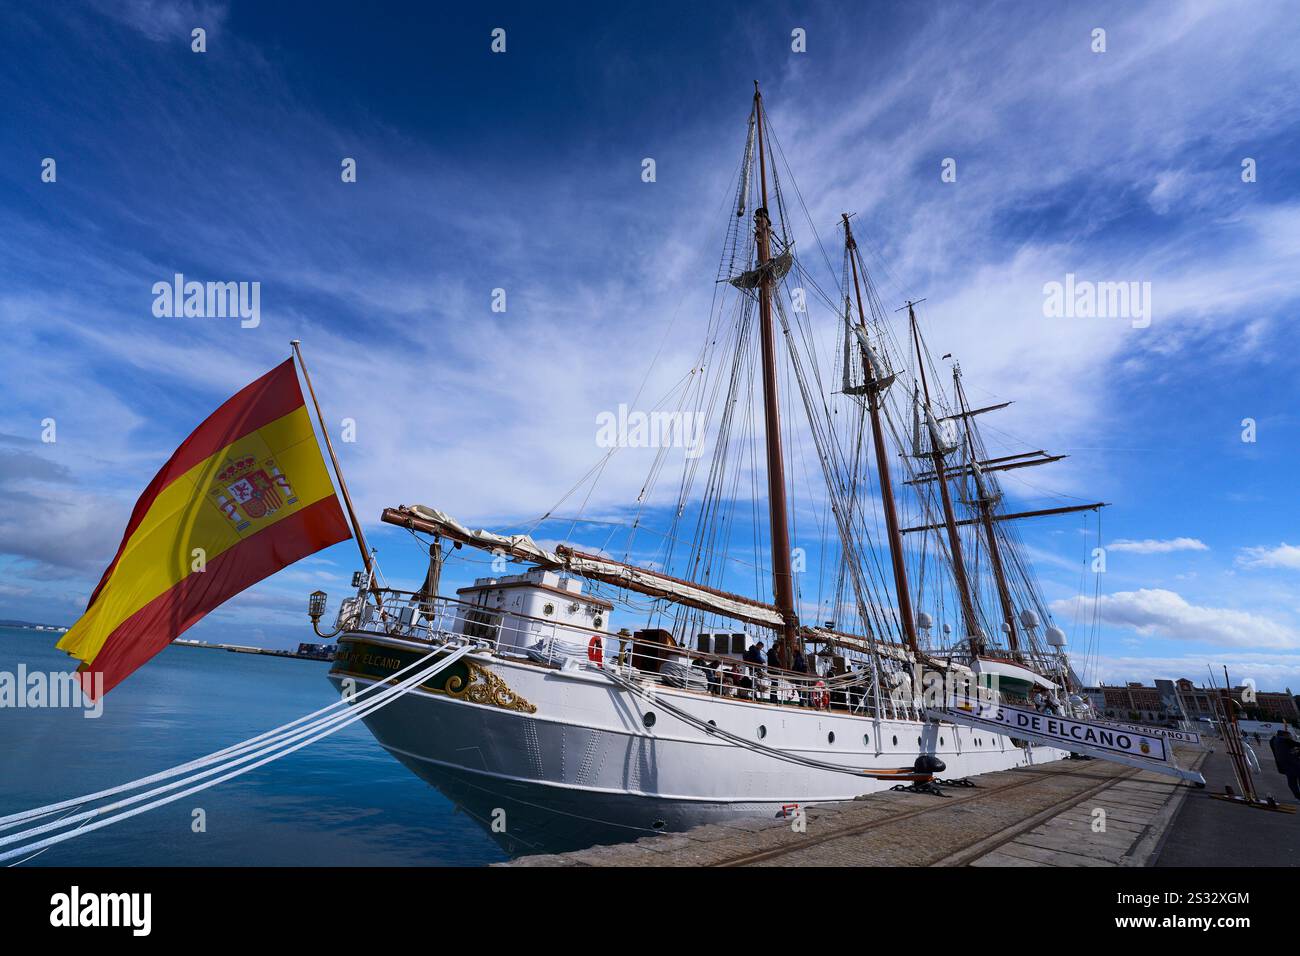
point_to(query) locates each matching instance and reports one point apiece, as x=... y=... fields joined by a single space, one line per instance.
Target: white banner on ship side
x=1106 y=741
x=1178 y=736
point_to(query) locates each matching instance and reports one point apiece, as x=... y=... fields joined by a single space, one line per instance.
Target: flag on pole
x=244 y=496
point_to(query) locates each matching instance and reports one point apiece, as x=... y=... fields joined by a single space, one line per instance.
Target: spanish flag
x=244 y=496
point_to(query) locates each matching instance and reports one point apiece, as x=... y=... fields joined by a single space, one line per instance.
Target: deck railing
x=413 y=616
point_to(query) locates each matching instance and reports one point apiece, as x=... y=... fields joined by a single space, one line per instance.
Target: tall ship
x=690 y=669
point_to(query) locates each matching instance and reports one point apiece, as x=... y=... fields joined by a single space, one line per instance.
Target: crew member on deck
x=801 y=667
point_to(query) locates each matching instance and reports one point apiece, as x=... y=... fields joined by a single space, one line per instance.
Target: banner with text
x=1178 y=736
x=1109 y=742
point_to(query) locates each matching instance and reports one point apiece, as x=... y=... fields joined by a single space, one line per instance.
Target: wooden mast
x=954 y=539
x=782 y=574
x=874 y=390
x=985 y=505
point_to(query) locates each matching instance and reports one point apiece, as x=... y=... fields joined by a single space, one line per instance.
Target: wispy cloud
x=1281 y=556
x=166 y=20
x=1156 y=546
x=1167 y=614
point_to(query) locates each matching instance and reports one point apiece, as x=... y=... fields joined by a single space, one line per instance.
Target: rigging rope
x=880 y=773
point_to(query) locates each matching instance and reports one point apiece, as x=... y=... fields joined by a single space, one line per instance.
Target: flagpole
x=338 y=473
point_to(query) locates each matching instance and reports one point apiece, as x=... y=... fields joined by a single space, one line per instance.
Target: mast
x=782 y=575
x=985 y=505
x=874 y=389
x=949 y=519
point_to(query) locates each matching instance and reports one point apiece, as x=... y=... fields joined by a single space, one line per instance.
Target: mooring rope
x=884 y=773
x=13 y=819
x=274 y=751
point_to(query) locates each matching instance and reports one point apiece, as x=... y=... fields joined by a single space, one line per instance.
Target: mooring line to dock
x=14 y=819
x=275 y=750
x=877 y=773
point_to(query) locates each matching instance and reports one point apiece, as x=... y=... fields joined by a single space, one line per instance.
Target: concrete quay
x=1067 y=813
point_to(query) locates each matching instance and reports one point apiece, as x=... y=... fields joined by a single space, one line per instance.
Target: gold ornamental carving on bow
x=485 y=687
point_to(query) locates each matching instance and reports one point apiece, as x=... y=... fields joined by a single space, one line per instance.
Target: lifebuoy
x=596 y=650
x=821 y=698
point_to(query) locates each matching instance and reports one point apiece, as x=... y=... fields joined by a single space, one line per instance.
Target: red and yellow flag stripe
x=245 y=495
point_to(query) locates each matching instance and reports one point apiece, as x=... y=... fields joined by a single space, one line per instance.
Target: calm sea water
x=341 y=801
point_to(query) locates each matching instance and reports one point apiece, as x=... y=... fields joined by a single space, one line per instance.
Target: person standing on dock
x=1286 y=752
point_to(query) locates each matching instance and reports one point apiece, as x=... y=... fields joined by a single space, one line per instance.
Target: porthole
x=660 y=825
x=830 y=738
x=548 y=610
x=942 y=742
x=762 y=731
x=895 y=740
x=866 y=739
x=600 y=621
x=918 y=741
x=648 y=718
x=713 y=723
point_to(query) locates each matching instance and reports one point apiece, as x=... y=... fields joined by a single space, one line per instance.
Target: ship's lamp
x=316 y=605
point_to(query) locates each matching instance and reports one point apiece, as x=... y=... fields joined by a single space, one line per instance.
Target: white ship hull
x=568 y=760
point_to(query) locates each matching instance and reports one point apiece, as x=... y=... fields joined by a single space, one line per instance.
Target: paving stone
x=666 y=843
x=1044 y=857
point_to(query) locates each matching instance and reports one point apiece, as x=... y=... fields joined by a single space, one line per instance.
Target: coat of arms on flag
x=247 y=490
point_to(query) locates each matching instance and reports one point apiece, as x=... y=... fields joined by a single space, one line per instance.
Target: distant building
x=1135 y=701
x=1131 y=701
x=1274 y=706
x=321 y=652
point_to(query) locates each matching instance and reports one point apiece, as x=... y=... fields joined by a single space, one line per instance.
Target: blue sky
x=522 y=171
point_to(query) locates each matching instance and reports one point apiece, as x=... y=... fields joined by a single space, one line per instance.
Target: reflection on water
x=340 y=801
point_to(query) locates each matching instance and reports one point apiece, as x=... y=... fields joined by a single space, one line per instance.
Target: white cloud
x=1283 y=556
x=1155 y=546
x=1271 y=672
x=165 y=20
x=1157 y=612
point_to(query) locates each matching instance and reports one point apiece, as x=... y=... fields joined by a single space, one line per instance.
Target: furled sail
x=519 y=546
x=938 y=441
x=745 y=167
x=662 y=585
x=881 y=373
x=916 y=421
